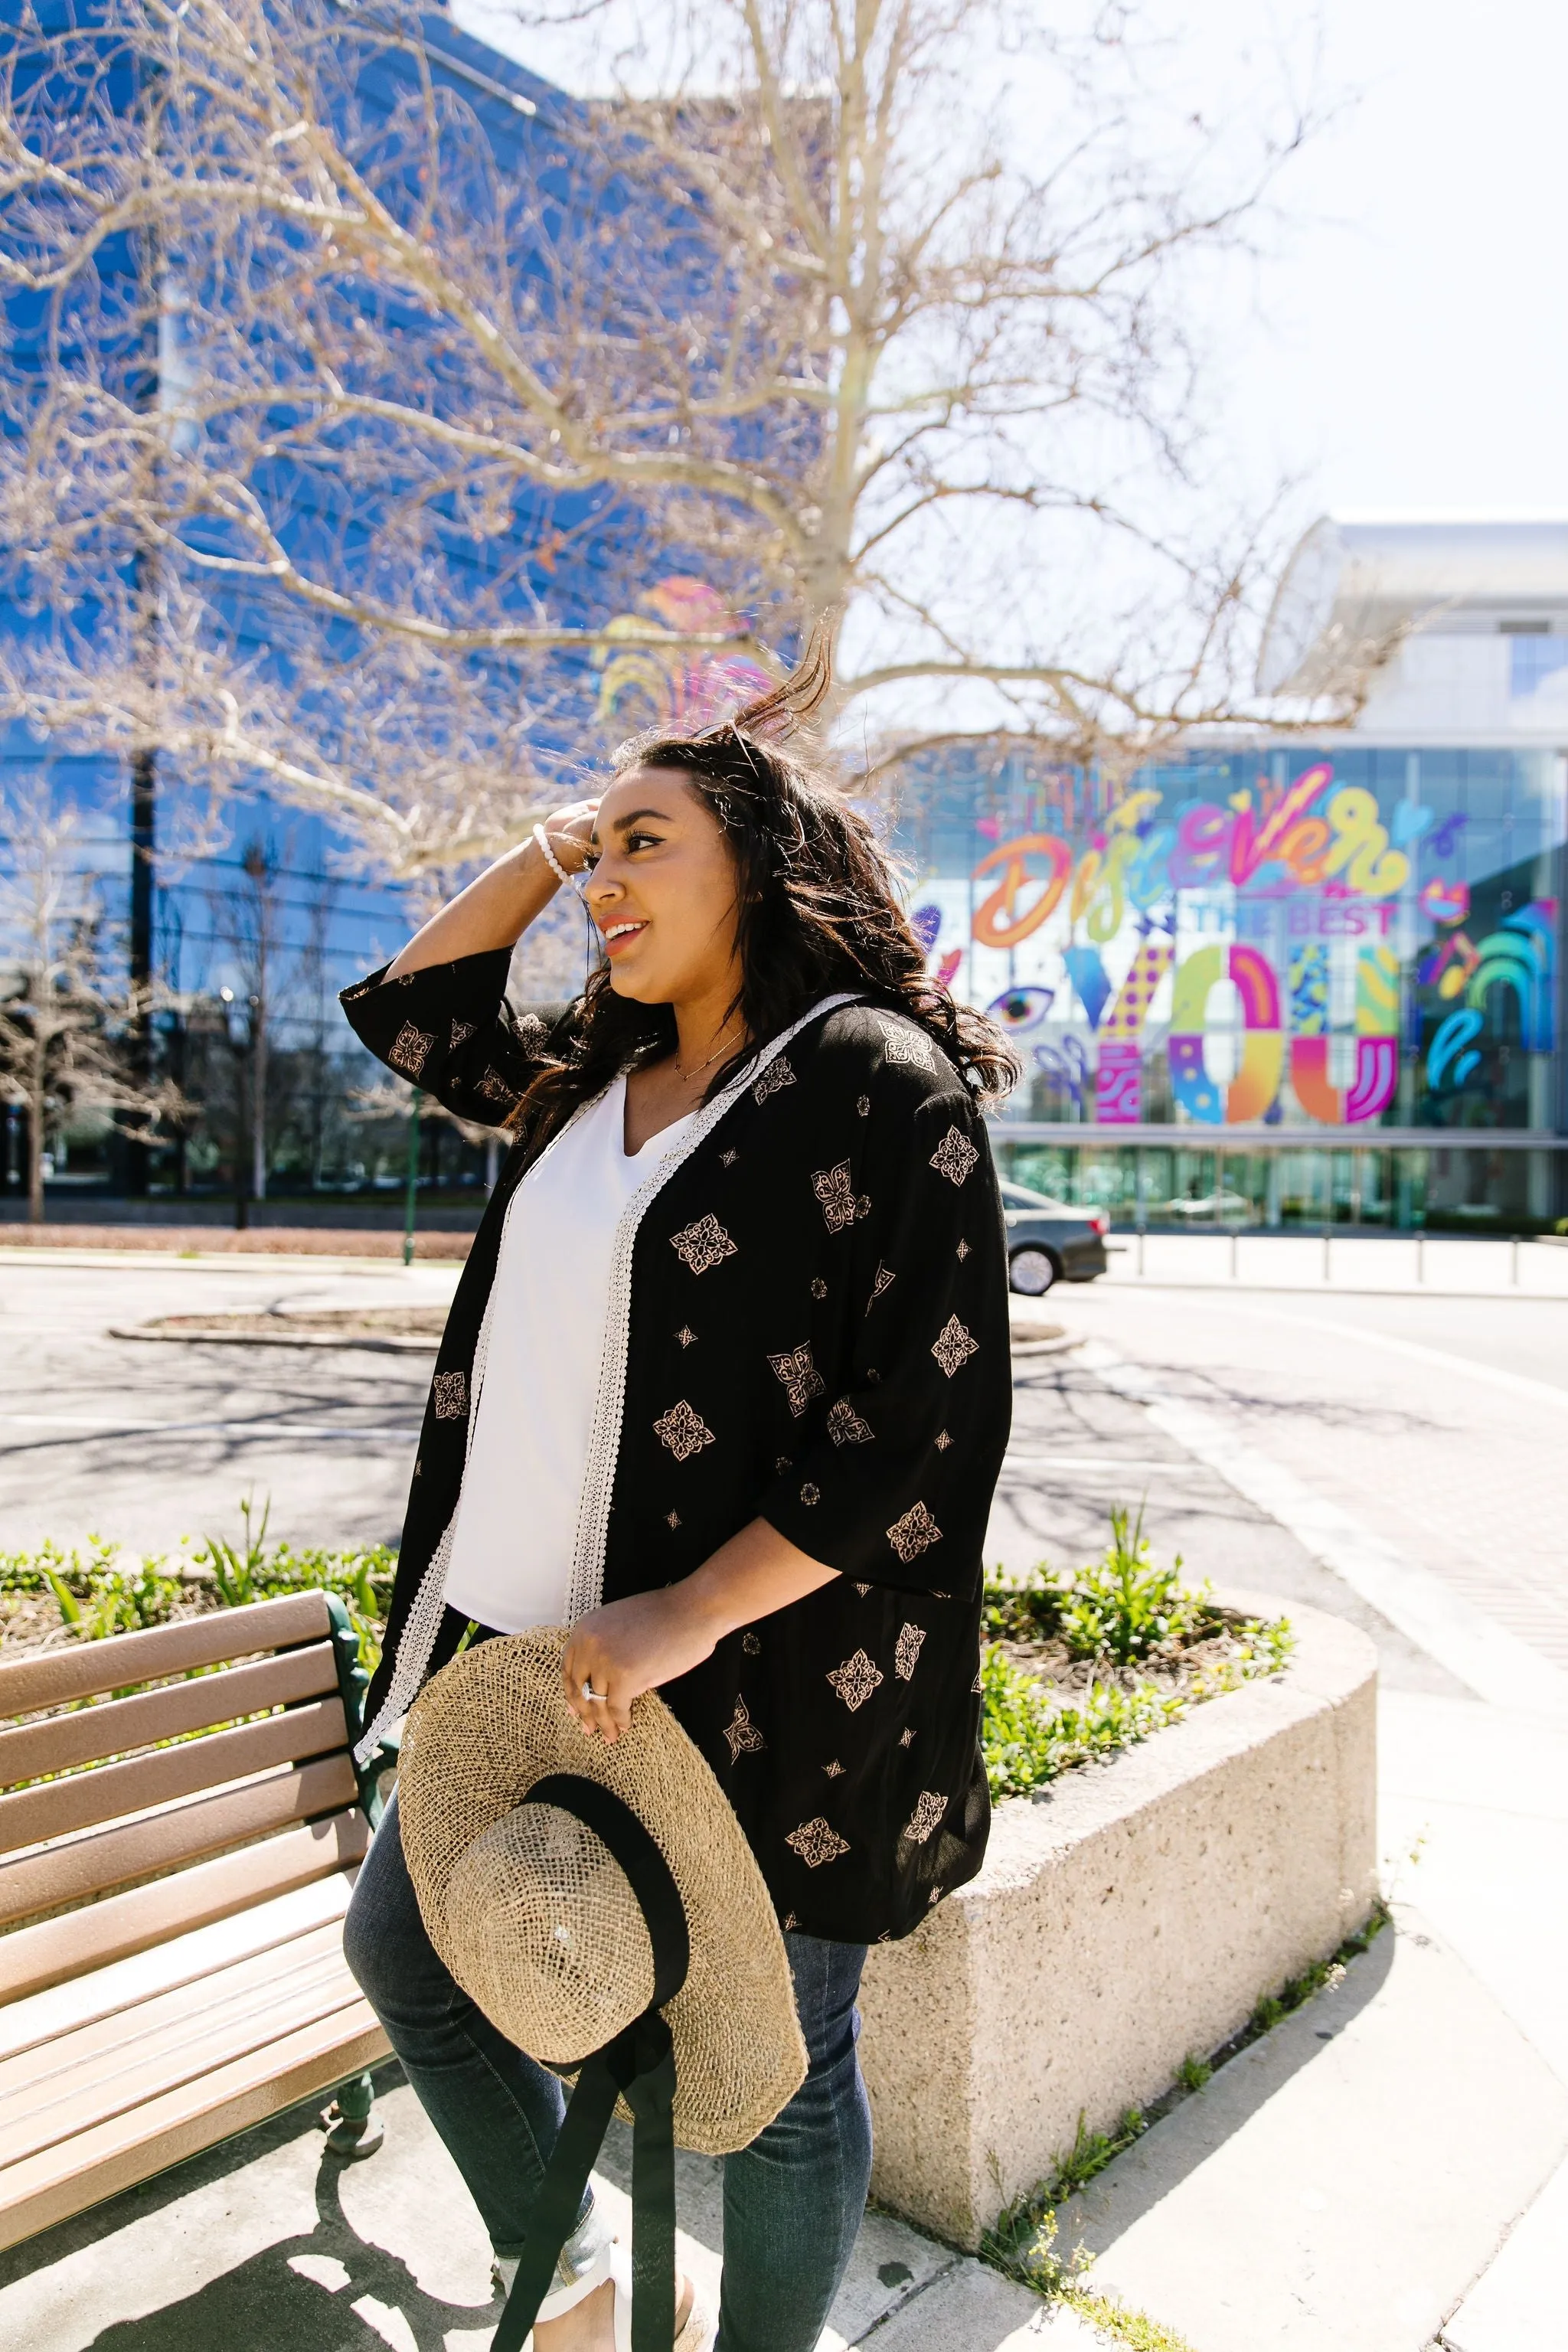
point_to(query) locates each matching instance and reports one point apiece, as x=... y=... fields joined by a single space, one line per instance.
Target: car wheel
x=1032 y=1272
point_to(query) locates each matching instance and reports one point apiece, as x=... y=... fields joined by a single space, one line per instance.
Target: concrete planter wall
x=1134 y=1914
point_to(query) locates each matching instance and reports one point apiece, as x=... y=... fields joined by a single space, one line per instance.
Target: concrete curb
x=1132 y=1915
x=384 y=1347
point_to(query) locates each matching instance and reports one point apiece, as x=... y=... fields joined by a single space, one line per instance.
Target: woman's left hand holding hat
x=626 y=1647
x=630 y=1646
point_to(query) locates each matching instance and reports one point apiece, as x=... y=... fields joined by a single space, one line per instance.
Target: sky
x=1403 y=345
x=1409 y=350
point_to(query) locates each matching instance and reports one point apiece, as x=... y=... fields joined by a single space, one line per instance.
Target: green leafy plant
x=1028 y=1735
x=1125 y=1604
x=96 y=1597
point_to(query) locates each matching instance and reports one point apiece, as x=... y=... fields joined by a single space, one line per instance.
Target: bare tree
x=67 y=1018
x=825 y=344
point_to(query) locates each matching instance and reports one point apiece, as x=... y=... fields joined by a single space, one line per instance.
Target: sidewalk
x=1343 y=2185
x=268 y=2243
x=1347 y=1264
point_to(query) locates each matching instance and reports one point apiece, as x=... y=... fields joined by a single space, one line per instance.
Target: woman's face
x=663 y=891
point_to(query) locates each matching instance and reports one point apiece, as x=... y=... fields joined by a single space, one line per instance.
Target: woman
x=726 y=1388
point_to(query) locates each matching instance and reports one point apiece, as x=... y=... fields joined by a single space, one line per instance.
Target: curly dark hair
x=819 y=910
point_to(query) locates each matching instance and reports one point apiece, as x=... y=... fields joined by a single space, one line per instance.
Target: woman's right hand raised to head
x=570 y=832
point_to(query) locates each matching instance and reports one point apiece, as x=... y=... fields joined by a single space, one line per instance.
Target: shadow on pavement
x=1139 y=2179
x=301 y=2294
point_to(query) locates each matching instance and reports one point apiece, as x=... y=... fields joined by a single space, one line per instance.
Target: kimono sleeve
x=449 y=1029
x=894 y=1486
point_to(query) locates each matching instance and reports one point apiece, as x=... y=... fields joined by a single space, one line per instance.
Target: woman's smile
x=619 y=936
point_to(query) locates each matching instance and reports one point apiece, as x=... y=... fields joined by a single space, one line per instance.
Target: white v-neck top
x=516 y=1527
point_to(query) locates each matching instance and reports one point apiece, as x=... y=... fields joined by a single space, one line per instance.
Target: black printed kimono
x=808 y=1322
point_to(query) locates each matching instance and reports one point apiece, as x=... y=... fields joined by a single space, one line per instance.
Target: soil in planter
x=1079 y=1666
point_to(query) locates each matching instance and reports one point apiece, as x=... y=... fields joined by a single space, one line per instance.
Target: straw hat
x=539 y=1923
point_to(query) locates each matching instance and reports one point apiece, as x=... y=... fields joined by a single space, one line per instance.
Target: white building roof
x=1392 y=595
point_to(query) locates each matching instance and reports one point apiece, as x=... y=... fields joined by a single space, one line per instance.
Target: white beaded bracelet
x=547 y=851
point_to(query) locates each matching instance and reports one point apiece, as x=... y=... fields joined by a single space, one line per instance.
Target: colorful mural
x=1300 y=950
x=647 y=686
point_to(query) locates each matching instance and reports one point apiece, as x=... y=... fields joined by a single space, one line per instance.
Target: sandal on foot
x=696 y=2335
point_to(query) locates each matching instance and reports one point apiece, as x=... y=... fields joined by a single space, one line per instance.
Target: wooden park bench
x=172 y=1906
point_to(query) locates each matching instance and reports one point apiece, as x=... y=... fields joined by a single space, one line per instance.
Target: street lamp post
x=411 y=1190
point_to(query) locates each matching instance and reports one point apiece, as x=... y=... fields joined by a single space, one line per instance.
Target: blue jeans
x=793 y=2200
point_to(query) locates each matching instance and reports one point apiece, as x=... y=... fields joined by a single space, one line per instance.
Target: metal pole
x=1513 y=1261
x=1235 y=1237
x=1420 y=1257
x=412 y=1188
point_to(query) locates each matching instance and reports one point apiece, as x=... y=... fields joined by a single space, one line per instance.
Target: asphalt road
x=1436 y=1425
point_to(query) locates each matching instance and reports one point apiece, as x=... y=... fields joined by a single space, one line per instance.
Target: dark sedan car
x=1047 y=1241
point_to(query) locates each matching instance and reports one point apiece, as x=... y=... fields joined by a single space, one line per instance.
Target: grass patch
x=1124 y=2327
x=1022 y=2241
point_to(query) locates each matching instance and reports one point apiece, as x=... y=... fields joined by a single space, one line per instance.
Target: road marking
x=117 y=1425
x=1492 y=1375
x=1488 y=1659
x=1098 y=1462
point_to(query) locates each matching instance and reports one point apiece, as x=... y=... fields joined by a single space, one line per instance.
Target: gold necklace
x=688 y=1075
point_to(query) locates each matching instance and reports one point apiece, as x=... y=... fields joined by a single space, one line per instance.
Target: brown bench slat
x=115 y=2154
x=120 y=1925
x=182 y=1959
x=84 y=1670
x=28 y=1816
x=60 y=2087
x=85 y=1866
x=119 y=1725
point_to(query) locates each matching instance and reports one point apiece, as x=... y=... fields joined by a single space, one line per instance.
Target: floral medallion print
x=672 y=1520
x=450 y=1392
x=929 y=1810
x=687 y=1336
x=461 y=1032
x=953 y=1346
x=801 y=1379
x=855 y=1679
x=683 y=1430
x=818 y=1287
x=816 y=1843
x=742 y=1735
x=914 y=1533
x=410 y=1050
x=883 y=1283
x=963 y=1252
x=494 y=1089
x=906 y=1739
x=774 y=1078
x=904 y=1044
x=841 y=1205
x=810 y=1494
x=834 y=1770
x=845 y=1427
x=941 y=1441
x=728 y=1159
x=908 y=1651
x=955 y=1156
x=702 y=1245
